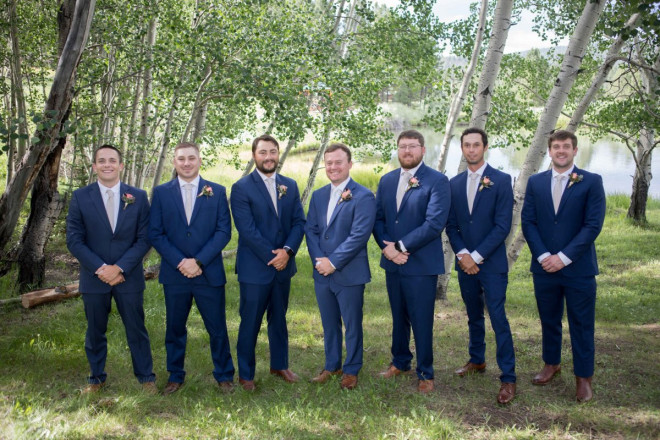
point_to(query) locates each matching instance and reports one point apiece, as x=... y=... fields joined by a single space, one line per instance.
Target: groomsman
x=270 y=223
x=479 y=222
x=562 y=216
x=412 y=205
x=339 y=223
x=190 y=225
x=106 y=230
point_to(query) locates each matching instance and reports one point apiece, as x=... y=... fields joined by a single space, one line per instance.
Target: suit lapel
x=568 y=191
x=97 y=201
x=339 y=206
x=177 y=198
x=261 y=187
x=279 y=200
x=419 y=175
x=123 y=189
x=322 y=205
x=488 y=172
x=198 y=201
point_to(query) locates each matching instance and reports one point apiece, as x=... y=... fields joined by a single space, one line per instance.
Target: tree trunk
x=131 y=156
x=147 y=87
x=562 y=85
x=459 y=98
x=315 y=168
x=642 y=178
x=250 y=164
x=599 y=79
x=491 y=68
x=56 y=106
x=165 y=143
x=283 y=156
x=17 y=82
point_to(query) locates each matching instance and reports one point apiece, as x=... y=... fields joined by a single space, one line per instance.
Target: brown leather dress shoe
x=471 y=368
x=288 y=375
x=349 y=381
x=248 y=385
x=546 y=374
x=584 y=393
x=507 y=393
x=149 y=388
x=171 y=387
x=391 y=371
x=92 y=388
x=325 y=376
x=425 y=386
x=226 y=386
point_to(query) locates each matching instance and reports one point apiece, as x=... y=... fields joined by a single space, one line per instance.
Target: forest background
x=146 y=74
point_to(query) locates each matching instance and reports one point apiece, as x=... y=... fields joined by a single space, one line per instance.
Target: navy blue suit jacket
x=573 y=229
x=261 y=230
x=91 y=240
x=204 y=239
x=419 y=222
x=344 y=239
x=486 y=229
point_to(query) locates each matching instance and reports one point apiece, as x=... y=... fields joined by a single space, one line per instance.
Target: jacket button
x=188 y=234
x=555 y=221
x=396 y=221
x=326 y=237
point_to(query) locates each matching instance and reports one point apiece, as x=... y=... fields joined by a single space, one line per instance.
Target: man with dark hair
x=107 y=232
x=562 y=215
x=190 y=225
x=269 y=219
x=339 y=222
x=412 y=205
x=479 y=222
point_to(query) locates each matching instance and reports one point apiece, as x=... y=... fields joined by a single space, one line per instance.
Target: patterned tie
x=270 y=186
x=188 y=203
x=403 y=186
x=557 y=191
x=472 y=190
x=110 y=208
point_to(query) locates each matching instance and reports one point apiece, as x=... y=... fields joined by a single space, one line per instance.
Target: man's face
x=107 y=166
x=411 y=153
x=337 y=166
x=187 y=163
x=562 y=154
x=266 y=157
x=473 y=149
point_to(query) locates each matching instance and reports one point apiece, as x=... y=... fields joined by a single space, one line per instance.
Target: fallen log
x=34 y=298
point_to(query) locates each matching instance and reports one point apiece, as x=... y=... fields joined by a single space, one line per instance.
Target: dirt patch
x=61 y=268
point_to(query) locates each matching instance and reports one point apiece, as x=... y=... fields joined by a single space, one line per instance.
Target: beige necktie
x=332 y=203
x=403 y=186
x=472 y=190
x=110 y=208
x=270 y=186
x=557 y=191
x=187 y=200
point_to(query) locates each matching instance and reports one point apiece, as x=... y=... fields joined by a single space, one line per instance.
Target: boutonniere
x=574 y=178
x=346 y=195
x=412 y=183
x=206 y=191
x=485 y=182
x=281 y=191
x=128 y=199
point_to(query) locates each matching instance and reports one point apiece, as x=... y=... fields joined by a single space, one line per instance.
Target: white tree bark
x=568 y=72
x=58 y=102
x=147 y=87
x=610 y=60
x=459 y=98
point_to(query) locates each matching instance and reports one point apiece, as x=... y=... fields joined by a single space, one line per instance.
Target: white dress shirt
x=476 y=256
x=195 y=191
x=412 y=172
x=564 y=182
x=104 y=194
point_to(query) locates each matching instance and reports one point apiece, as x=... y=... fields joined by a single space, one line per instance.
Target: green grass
x=43 y=367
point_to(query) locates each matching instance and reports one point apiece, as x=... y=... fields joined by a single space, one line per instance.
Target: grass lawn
x=43 y=366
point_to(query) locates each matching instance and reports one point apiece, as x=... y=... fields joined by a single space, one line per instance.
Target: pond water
x=612 y=160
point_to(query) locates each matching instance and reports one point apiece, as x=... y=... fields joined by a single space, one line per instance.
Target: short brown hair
x=471 y=130
x=267 y=138
x=338 y=146
x=562 y=135
x=411 y=134
x=181 y=145
x=109 y=147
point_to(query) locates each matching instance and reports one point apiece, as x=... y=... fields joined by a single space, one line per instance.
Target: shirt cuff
x=476 y=256
x=564 y=259
x=462 y=251
x=543 y=256
x=403 y=248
